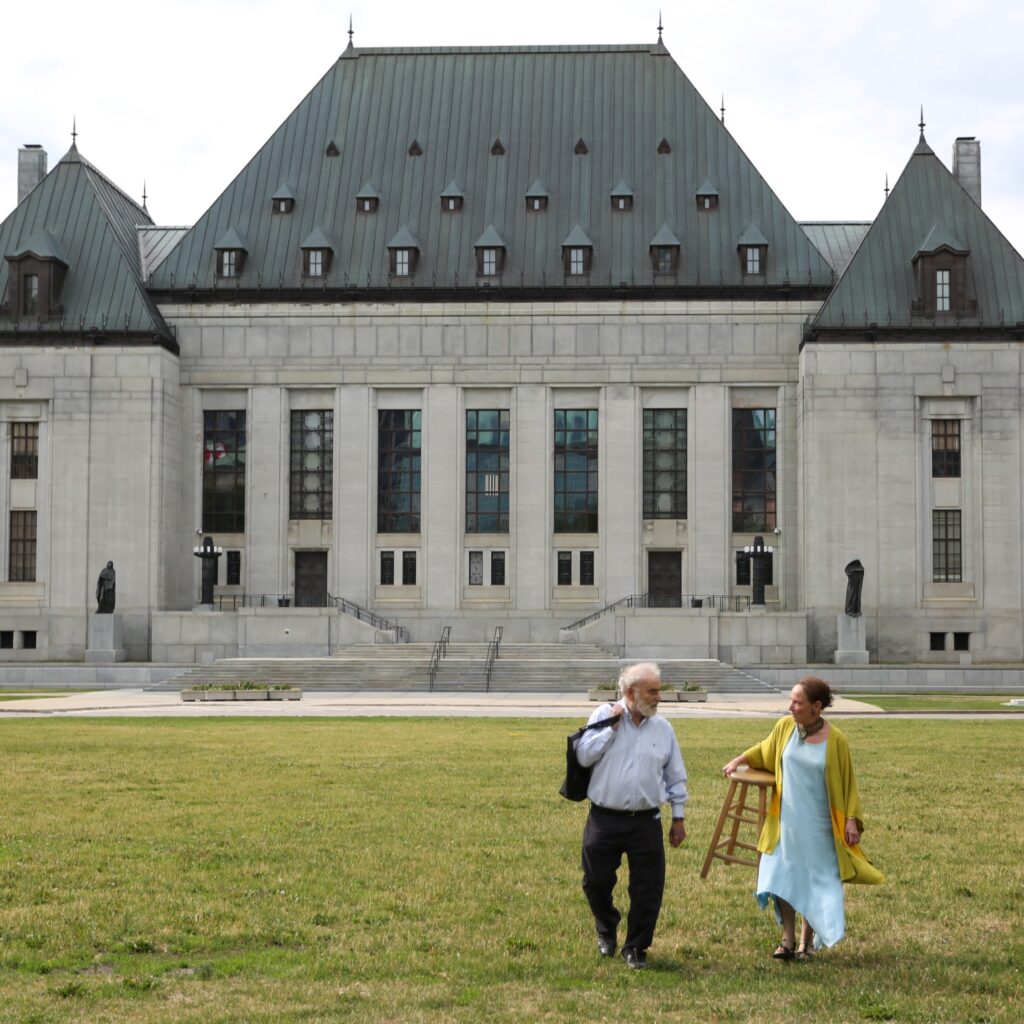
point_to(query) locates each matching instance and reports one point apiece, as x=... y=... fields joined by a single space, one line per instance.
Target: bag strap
x=604 y=722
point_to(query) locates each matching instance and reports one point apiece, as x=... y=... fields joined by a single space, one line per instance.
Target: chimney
x=31 y=168
x=967 y=165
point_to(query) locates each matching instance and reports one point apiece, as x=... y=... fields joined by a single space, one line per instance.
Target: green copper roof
x=317 y=239
x=455 y=102
x=926 y=210
x=490 y=239
x=664 y=237
x=80 y=217
x=577 y=237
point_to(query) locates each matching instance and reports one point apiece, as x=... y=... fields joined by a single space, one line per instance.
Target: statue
x=105 y=590
x=854 y=581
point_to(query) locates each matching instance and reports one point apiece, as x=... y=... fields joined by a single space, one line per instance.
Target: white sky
x=823 y=96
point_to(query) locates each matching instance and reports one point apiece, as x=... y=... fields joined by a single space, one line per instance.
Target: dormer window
x=36 y=277
x=753 y=250
x=577 y=253
x=452 y=197
x=367 y=199
x=536 y=198
x=283 y=200
x=940 y=273
x=230 y=251
x=707 y=196
x=622 y=197
x=490 y=253
x=665 y=248
x=403 y=253
x=317 y=252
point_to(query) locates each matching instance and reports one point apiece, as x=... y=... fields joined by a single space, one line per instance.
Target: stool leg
x=738 y=809
x=719 y=825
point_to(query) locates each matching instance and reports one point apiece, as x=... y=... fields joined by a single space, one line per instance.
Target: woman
x=810 y=842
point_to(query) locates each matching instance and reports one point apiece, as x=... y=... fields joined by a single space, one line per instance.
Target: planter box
x=293 y=693
x=207 y=694
x=251 y=694
x=606 y=696
x=699 y=695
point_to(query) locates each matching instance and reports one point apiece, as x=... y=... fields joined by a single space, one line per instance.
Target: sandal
x=805 y=952
x=783 y=952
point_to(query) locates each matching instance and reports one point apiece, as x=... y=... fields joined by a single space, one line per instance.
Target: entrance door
x=310 y=579
x=664 y=579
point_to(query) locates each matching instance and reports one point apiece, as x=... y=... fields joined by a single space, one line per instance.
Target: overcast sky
x=823 y=96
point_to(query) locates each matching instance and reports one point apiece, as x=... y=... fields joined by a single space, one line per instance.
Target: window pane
x=23 y=547
x=946 y=448
x=565 y=568
x=224 y=444
x=24 y=451
x=398 y=470
x=487 y=489
x=947 y=565
x=576 y=471
x=664 y=468
x=753 y=464
x=312 y=464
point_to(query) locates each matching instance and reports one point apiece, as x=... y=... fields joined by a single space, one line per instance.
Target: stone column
x=709 y=486
x=267 y=472
x=531 y=498
x=620 y=484
x=355 y=515
x=441 y=549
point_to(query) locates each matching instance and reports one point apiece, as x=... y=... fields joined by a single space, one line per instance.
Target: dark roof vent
x=415 y=149
x=332 y=149
x=581 y=148
x=664 y=147
x=497 y=149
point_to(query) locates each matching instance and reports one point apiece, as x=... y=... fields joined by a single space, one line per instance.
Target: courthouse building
x=504 y=336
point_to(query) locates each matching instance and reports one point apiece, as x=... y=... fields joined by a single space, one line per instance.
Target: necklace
x=809 y=730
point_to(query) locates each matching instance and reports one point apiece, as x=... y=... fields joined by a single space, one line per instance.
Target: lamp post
x=759 y=556
x=208 y=554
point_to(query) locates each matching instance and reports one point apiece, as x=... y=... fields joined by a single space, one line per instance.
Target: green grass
x=424 y=870
x=32 y=696
x=939 y=702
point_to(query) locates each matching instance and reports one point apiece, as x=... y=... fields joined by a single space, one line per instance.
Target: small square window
x=622 y=203
x=283 y=205
x=497 y=568
x=408 y=568
x=707 y=202
x=753 y=259
x=534 y=204
x=565 y=568
x=387 y=568
x=234 y=570
x=936 y=641
x=367 y=204
x=7 y=639
x=961 y=641
x=476 y=568
x=451 y=204
x=28 y=640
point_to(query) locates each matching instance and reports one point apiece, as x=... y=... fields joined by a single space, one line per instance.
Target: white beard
x=645 y=709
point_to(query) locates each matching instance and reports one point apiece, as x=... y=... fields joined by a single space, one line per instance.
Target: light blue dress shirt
x=635 y=766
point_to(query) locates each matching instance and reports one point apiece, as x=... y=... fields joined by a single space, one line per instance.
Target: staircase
x=520 y=668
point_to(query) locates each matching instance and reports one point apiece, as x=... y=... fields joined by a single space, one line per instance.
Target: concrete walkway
x=141 y=704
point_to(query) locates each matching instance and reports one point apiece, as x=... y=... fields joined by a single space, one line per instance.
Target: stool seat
x=735 y=810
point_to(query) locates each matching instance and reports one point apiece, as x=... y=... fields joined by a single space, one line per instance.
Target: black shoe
x=606 y=945
x=636 y=959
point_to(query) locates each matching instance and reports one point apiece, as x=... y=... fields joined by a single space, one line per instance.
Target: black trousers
x=605 y=840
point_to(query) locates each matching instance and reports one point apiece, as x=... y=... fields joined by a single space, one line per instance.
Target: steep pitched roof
x=92 y=227
x=837 y=241
x=538 y=100
x=927 y=209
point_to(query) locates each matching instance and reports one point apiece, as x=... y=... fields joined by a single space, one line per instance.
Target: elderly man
x=637 y=767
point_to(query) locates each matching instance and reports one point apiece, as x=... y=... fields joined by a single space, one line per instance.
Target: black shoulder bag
x=577 y=778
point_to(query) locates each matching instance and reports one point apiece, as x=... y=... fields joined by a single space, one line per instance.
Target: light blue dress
x=802 y=869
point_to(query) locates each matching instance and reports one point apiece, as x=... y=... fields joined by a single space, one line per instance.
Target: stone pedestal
x=852 y=646
x=104 y=639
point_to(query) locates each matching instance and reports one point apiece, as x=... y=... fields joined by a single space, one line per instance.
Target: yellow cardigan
x=843 y=798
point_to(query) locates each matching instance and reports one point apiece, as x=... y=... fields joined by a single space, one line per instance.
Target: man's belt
x=646 y=812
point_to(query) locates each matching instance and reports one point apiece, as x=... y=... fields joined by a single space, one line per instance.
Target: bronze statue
x=105 y=587
x=854 y=581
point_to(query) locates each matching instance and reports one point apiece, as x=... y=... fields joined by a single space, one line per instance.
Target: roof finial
x=723 y=108
x=886 y=184
x=659 y=26
x=74 y=130
x=350 y=32
x=921 y=122
x=144 y=195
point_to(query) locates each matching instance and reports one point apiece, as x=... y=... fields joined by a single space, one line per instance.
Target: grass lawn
x=425 y=870
x=939 y=702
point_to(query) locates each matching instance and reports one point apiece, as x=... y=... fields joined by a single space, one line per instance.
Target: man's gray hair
x=632 y=674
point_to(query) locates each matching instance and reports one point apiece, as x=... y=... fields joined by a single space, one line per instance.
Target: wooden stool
x=735 y=809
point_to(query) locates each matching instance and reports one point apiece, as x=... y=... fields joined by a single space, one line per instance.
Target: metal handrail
x=492 y=654
x=232 y=602
x=719 y=602
x=439 y=651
